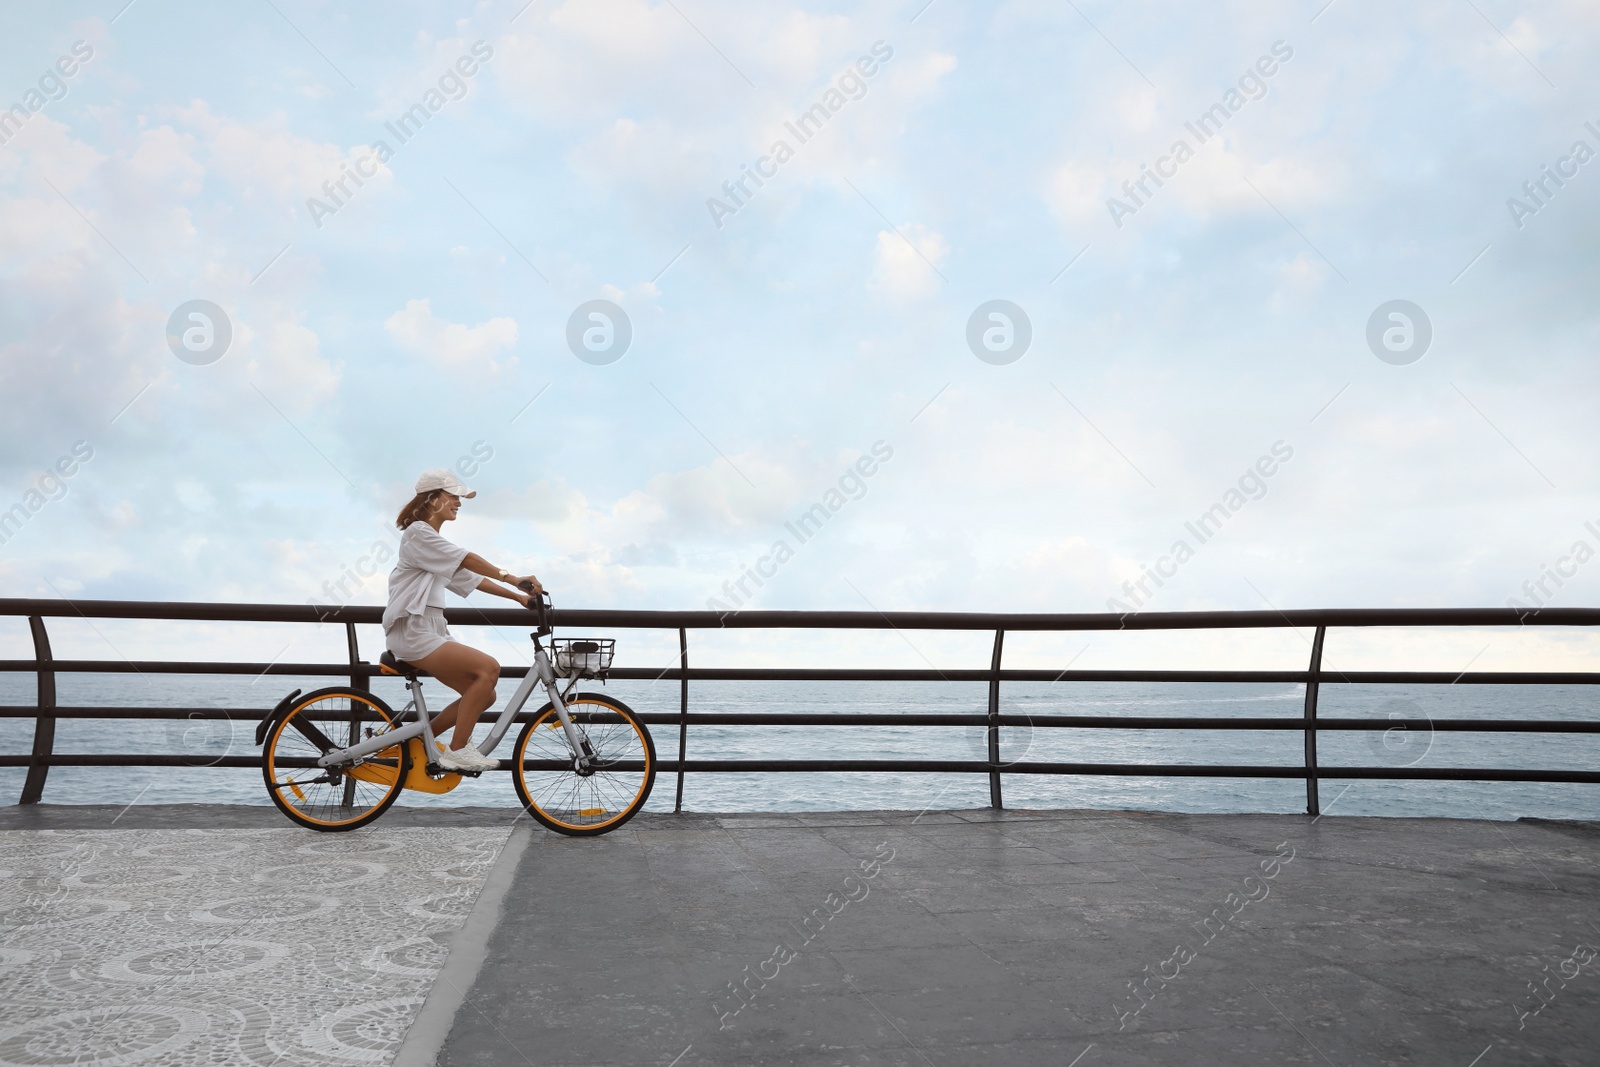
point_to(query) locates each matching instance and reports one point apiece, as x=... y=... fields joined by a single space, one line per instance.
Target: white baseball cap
x=444 y=478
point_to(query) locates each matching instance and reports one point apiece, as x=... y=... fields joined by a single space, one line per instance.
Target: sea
x=206 y=740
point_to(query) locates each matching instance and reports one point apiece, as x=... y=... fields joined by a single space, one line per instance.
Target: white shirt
x=428 y=565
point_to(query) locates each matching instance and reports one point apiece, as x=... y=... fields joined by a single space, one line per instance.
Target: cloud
x=1300 y=279
x=1077 y=192
x=906 y=267
x=452 y=346
x=914 y=76
x=285 y=358
x=587 y=60
x=47 y=147
x=271 y=167
x=543 y=502
x=658 y=163
x=663 y=118
x=689 y=528
x=74 y=360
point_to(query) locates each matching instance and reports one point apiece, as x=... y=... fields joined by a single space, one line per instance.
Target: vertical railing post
x=683 y=713
x=44 y=726
x=361 y=683
x=359 y=679
x=1313 y=684
x=995 y=800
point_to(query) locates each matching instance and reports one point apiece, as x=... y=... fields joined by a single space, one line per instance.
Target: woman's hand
x=532 y=586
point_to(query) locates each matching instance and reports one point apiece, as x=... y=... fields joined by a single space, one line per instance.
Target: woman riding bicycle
x=413 y=623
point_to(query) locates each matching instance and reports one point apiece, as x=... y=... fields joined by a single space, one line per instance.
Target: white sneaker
x=466 y=759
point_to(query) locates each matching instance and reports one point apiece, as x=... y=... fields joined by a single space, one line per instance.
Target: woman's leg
x=469 y=672
x=445 y=719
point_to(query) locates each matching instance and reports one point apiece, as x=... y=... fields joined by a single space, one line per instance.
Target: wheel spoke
x=313 y=733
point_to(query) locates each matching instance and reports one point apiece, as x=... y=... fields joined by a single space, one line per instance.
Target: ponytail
x=418 y=509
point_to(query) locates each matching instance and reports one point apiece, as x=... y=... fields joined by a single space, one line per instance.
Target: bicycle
x=583 y=765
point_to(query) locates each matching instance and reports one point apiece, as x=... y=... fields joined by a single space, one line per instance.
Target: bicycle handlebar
x=539 y=605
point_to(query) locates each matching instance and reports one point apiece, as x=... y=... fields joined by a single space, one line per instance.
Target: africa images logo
x=451 y=85
x=1209 y=124
x=52 y=86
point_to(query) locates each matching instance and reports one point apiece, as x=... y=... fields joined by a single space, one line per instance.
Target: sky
x=1223 y=339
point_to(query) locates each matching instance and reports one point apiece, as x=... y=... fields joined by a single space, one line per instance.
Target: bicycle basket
x=587 y=656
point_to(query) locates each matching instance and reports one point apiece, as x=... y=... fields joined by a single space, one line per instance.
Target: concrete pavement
x=1093 y=938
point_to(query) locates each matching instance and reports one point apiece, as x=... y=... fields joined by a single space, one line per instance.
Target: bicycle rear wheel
x=333 y=798
x=614 y=786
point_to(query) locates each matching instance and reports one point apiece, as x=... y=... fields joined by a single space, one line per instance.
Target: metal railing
x=45 y=711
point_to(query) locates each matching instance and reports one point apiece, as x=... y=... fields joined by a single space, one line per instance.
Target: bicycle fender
x=273 y=716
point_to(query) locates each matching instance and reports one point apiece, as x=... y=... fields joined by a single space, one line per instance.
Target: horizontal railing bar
x=1176 y=722
x=127 y=666
x=1074 y=722
x=843 y=674
x=1140 y=770
x=1329 y=678
x=922 y=674
x=28 y=711
x=851 y=620
x=1125 y=722
x=143 y=759
x=123 y=666
x=1150 y=770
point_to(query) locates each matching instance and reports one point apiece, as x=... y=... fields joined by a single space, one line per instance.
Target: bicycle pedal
x=436 y=771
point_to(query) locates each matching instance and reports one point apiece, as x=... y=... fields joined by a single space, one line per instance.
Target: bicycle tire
x=563 y=800
x=315 y=725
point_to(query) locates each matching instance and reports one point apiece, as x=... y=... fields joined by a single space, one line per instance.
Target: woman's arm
x=478 y=565
x=486 y=586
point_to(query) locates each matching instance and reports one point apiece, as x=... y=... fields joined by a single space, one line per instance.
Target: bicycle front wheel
x=333 y=798
x=609 y=790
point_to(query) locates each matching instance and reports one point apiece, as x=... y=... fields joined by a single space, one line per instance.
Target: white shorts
x=414 y=636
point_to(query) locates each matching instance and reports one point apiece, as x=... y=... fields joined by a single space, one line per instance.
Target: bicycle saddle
x=391 y=665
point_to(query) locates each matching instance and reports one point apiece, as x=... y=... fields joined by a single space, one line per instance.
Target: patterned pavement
x=269 y=947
